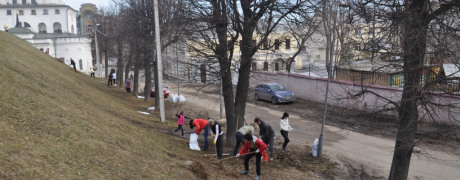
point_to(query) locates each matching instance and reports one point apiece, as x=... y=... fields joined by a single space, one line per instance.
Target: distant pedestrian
x=72 y=63
x=201 y=124
x=128 y=83
x=180 y=122
x=91 y=70
x=267 y=134
x=239 y=136
x=253 y=146
x=110 y=82
x=114 y=78
x=216 y=131
x=285 y=128
x=5 y=27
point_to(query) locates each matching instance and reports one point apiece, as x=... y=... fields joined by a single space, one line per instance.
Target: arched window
x=42 y=28
x=26 y=24
x=45 y=11
x=80 y=63
x=57 y=27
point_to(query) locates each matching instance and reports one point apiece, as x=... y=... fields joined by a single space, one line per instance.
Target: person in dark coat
x=72 y=63
x=216 y=131
x=267 y=135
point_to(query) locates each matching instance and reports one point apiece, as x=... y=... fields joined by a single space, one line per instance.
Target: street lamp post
x=97 y=51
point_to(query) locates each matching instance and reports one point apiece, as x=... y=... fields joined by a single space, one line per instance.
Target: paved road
x=354 y=152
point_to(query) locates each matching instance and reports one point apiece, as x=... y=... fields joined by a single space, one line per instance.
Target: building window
x=277 y=44
x=371 y=31
x=33 y=12
x=358 y=47
x=45 y=11
x=15 y=2
x=34 y=1
x=8 y=12
x=57 y=28
x=42 y=28
x=80 y=63
x=88 y=17
x=26 y=24
x=21 y=12
x=24 y=1
x=358 y=31
x=253 y=43
x=265 y=46
x=288 y=44
x=57 y=11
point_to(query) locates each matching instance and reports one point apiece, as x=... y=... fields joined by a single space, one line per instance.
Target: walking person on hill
x=239 y=136
x=180 y=122
x=109 y=83
x=267 y=134
x=285 y=128
x=128 y=83
x=91 y=70
x=251 y=147
x=201 y=124
x=114 y=78
x=216 y=131
x=72 y=63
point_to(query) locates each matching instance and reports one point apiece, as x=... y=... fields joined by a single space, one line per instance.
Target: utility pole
x=220 y=98
x=97 y=50
x=159 y=64
x=320 y=144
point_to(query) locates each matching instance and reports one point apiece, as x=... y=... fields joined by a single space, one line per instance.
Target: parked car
x=273 y=92
x=165 y=91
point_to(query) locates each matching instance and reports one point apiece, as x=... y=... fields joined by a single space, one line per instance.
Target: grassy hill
x=58 y=124
x=55 y=123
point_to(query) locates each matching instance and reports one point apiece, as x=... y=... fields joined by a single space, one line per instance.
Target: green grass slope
x=57 y=124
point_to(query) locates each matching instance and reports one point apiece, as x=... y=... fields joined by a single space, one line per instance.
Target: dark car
x=273 y=92
x=165 y=91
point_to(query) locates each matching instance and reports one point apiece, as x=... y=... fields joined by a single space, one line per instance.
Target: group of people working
x=252 y=146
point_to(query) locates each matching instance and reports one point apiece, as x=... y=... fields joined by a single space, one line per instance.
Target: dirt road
x=362 y=156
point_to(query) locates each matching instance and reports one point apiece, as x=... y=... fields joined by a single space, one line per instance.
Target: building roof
x=451 y=70
x=18 y=6
x=20 y=31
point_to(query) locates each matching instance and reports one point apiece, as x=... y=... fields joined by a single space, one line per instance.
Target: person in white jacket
x=285 y=128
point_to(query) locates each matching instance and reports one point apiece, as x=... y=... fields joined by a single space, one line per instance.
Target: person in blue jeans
x=199 y=125
x=248 y=129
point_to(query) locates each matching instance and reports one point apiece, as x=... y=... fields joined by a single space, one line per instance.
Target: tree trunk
x=106 y=63
x=148 y=73
x=120 y=63
x=414 y=46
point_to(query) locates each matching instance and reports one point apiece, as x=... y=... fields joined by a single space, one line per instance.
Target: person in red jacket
x=251 y=147
x=199 y=125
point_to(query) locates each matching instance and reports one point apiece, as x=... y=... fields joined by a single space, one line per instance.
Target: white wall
x=341 y=93
x=66 y=17
x=30 y=1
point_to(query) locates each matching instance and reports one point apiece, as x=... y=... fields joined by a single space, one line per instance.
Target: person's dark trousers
x=180 y=127
x=206 y=132
x=109 y=83
x=74 y=68
x=128 y=90
x=114 y=81
x=246 y=162
x=220 y=146
x=269 y=142
x=286 y=138
x=92 y=75
x=239 y=139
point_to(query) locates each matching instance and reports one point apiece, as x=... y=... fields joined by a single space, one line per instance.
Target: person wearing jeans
x=199 y=125
x=248 y=129
x=180 y=122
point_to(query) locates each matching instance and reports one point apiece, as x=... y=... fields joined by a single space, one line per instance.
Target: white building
x=49 y=26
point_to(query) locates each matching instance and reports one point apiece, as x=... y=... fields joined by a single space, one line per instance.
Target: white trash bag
x=314 y=148
x=194 y=142
x=174 y=98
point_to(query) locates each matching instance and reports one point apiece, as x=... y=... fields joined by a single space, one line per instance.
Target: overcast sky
x=77 y=3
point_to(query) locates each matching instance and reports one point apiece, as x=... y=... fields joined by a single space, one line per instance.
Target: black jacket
x=266 y=131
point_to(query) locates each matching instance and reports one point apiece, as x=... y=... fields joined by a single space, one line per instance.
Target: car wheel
x=273 y=100
x=256 y=97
